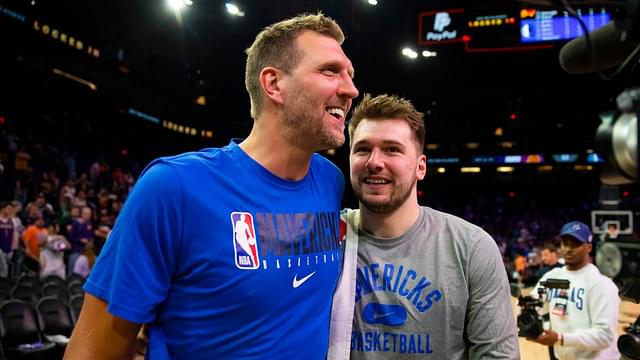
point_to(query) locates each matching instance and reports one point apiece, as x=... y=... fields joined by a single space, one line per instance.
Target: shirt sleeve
x=603 y=308
x=490 y=325
x=134 y=270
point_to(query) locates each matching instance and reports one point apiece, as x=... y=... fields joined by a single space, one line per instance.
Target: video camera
x=615 y=44
x=530 y=322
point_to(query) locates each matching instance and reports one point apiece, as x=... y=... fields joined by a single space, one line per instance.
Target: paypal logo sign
x=441 y=21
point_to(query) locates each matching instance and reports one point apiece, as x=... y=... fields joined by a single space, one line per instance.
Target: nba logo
x=244 y=241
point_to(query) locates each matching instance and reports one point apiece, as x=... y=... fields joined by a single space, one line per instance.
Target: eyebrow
x=337 y=63
x=384 y=142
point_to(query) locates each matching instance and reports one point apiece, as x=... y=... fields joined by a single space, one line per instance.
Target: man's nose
x=348 y=88
x=375 y=162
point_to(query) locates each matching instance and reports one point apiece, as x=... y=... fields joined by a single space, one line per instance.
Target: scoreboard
x=511 y=27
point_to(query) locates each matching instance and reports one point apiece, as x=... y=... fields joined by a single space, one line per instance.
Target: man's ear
x=270 y=81
x=421 y=170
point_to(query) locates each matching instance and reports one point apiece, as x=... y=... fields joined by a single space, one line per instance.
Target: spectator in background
x=44 y=208
x=81 y=199
x=9 y=236
x=15 y=211
x=85 y=261
x=100 y=237
x=34 y=236
x=52 y=253
x=549 y=255
x=79 y=234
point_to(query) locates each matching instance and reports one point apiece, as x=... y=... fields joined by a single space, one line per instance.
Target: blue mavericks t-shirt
x=225 y=259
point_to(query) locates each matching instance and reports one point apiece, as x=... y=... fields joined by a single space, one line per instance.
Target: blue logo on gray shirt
x=392 y=315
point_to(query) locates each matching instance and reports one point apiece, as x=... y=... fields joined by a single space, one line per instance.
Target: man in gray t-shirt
x=427 y=284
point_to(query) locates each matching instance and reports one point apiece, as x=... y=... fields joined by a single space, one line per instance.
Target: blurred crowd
x=59 y=201
x=56 y=211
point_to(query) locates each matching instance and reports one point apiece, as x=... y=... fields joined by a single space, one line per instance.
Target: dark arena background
x=91 y=92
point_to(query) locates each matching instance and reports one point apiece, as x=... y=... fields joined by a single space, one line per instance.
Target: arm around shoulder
x=100 y=335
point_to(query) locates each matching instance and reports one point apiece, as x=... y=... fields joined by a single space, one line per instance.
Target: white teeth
x=377 y=181
x=335 y=111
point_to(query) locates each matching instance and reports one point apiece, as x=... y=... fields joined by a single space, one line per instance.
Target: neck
x=266 y=146
x=391 y=225
x=577 y=267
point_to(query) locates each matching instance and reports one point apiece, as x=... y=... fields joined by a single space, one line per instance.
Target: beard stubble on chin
x=398 y=196
x=304 y=124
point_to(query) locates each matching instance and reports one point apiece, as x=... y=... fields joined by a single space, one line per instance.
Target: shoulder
x=553 y=273
x=163 y=170
x=602 y=283
x=456 y=226
x=324 y=172
x=321 y=163
x=190 y=160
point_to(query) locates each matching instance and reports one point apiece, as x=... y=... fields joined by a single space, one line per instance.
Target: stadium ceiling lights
x=178 y=5
x=410 y=53
x=233 y=9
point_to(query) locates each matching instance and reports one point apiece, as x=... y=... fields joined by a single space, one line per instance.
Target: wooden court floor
x=533 y=351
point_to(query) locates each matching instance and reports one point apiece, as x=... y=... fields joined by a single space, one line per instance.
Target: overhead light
x=233 y=9
x=372 y=2
x=410 y=53
x=583 y=167
x=201 y=100
x=176 y=5
x=472 y=169
x=505 y=169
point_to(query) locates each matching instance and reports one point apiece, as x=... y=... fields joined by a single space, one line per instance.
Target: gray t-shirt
x=440 y=291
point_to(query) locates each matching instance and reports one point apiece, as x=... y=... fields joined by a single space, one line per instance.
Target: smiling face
x=385 y=164
x=317 y=94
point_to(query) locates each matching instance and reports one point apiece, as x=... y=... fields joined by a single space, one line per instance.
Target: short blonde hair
x=275 y=46
x=383 y=107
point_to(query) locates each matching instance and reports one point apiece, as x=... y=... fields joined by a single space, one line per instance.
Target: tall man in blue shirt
x=234 y=252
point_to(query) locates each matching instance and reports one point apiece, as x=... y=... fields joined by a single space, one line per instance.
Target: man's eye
x=329 y=71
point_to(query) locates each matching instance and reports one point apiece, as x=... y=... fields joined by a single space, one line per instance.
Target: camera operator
x=583 y=318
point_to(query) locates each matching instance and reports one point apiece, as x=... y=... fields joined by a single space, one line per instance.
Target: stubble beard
x=399 y=195
x=304 y=129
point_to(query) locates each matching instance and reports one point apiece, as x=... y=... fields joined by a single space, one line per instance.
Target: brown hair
x=549 y=246
x=275 y=46
x=384 y=107
x=90 y=252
